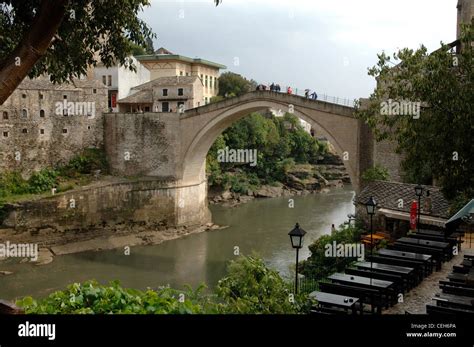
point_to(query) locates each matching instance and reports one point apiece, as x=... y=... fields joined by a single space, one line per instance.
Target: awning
x=428 y=220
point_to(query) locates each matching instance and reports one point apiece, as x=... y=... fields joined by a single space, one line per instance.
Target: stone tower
x=465 y=14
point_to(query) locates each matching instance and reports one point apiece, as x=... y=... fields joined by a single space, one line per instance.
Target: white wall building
x=120 y=80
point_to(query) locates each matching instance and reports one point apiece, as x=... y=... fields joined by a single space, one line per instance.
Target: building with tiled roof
x=394 y=201
x=164 y=63
x=164 y=94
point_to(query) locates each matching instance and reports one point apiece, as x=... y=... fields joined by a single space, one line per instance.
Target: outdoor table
x=407 y=273
x=437 y=254
x=451 y=300
x=444 y=246
x=431 y=232
x=345 y=302
x=393 y=269
x=425 y=258
x=365 y=282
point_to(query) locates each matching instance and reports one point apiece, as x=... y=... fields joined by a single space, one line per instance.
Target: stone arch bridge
x=172 y=148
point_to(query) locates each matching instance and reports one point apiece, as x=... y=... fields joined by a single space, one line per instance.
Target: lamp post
x=371 y=206
x=419 y=193
x=296 y=237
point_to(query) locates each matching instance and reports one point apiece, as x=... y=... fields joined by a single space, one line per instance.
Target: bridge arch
x=341 y=130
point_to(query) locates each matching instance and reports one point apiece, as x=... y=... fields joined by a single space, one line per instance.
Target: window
x=88 y=127
x=23 y=96
x=187 y=73
x=165 y=107
x=64 y=96
x=180 y=91
x=109 y=80
x=5 y=134
x=205 y=84
x=42 y=131
x=165 y=92
x=42 y=113
x=24 y=131
x=41 y=96
x=210 y=83
x=202 y=78
x=94 y=91
x=64 y=131
x=104 y=79
x=181 y=73
x=5 y=115
x=147 y=108
x=24 y=113
x=205 y=101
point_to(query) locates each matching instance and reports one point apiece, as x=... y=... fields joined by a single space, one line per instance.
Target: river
x=260 y=226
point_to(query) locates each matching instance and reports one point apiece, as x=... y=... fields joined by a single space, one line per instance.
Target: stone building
x=164 y=94
x=394 y=201
x=42 y=124
x=165 y=64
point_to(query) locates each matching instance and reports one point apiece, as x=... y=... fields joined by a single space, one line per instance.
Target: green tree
x=62 y=38
x=250 y=287
x=232 y=84
x=437 y=144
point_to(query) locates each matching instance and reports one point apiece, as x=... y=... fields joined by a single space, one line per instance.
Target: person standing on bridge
x=277 y=88
x=272 y=87
x=289 y=90
x=314 y=96
x=306 y=93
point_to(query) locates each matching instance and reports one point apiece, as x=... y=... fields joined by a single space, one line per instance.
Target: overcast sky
x=324 y=45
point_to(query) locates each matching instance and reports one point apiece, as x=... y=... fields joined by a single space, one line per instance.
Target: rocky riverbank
x=95 y=240
x=301 y=180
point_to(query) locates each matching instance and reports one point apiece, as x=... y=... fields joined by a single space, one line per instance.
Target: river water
x=260 y=226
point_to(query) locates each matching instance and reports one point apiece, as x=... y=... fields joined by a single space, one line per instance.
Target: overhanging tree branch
x=32 y=47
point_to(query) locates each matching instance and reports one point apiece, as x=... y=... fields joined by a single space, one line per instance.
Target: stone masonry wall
x=33 y=136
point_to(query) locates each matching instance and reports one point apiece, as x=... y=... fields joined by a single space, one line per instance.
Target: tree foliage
x=377 y=172
x=232 y=84
x=280 y=143
x=438 y=144
x=249 y=287
x=62 y=38
x=318 y=266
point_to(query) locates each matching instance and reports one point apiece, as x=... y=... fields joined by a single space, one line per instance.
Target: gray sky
x=324 y=45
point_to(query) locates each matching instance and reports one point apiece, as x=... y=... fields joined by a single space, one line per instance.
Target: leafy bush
x=92 y=298
x=250 y=287
x=89 y=160
x=11 y=183
x=318 y=265
x=375 y=173
x=42 y=181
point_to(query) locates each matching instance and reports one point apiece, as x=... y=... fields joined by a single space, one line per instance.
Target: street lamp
x=419 y=193
x=296 y=237
x=371 y=205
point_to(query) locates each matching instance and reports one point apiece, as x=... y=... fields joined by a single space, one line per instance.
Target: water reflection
x=260 y=226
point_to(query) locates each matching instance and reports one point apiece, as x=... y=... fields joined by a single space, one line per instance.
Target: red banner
x=413 y=215
x=114 y=100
